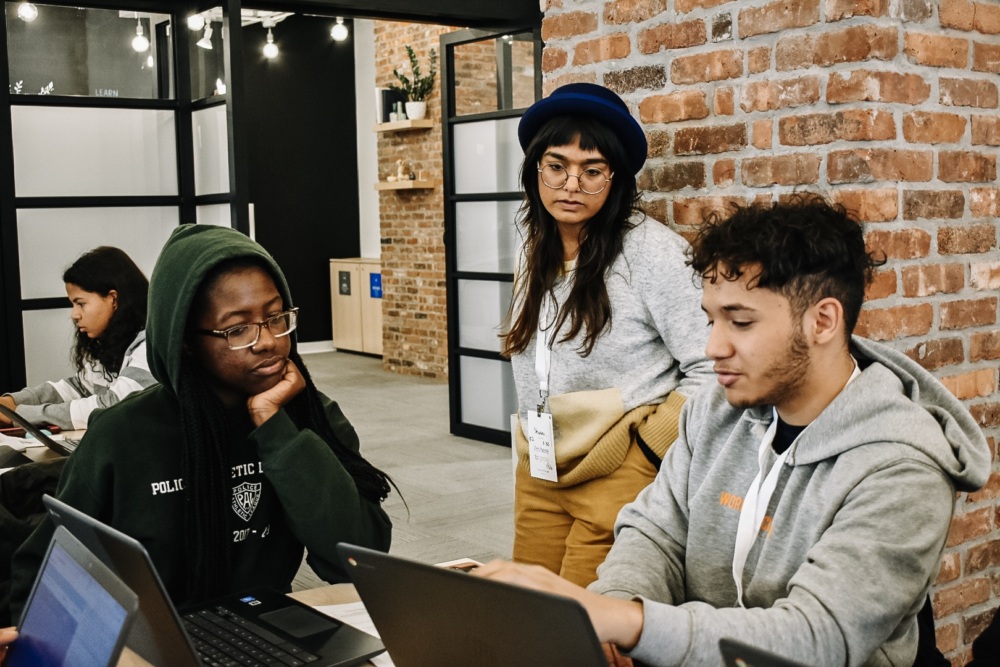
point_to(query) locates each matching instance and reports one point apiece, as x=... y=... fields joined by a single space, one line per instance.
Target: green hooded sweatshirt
x=289 y=489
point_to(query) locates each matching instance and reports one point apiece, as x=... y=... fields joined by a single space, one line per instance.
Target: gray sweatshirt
x=858 y=522
x=68 y=403
x=656 y=342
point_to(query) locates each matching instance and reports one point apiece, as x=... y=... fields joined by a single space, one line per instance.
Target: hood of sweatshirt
x=190 y=253
x=894 y=399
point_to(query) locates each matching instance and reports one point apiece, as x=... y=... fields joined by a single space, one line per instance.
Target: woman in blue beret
x=605 y=333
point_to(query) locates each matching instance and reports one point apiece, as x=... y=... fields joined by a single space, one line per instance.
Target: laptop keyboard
x=224 y=639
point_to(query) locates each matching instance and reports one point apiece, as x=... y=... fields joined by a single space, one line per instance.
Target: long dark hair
x=587 y=307
x=205 y=432
x=99 y=271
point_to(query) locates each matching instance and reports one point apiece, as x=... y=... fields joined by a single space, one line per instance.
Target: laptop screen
x=71 y=618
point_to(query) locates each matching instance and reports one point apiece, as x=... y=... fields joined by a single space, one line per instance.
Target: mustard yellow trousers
x=570 y=530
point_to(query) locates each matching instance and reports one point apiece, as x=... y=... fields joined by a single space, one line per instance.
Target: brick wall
x=414 y=305
x=889 y=106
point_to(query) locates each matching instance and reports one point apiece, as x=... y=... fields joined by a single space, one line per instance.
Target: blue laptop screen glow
x=71 y=620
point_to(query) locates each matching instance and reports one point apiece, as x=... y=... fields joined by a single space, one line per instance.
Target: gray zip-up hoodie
x=853 y=535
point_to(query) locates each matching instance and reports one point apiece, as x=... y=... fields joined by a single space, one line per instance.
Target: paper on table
x=355 y=615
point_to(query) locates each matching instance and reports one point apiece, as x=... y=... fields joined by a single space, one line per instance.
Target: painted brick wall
x=889 y=106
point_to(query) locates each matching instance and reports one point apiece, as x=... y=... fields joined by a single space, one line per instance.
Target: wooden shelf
x=404 y=125
x=404 y=185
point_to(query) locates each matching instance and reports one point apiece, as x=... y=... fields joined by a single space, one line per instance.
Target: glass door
x=489 y=79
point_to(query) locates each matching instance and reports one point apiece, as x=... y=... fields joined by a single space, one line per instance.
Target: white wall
x=364 y=88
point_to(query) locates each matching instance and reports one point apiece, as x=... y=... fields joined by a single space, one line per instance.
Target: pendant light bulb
x=150 y=63
x=139 y=43
x=339 y=31
x=27 y=12
x=196 y=22
x=270 y=49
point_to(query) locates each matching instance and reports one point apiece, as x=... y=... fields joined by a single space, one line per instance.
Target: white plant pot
x=416 y=110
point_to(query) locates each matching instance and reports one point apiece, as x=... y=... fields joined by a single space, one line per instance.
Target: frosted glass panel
x=487 y=156
x=482 y=306
x=48 y=342
x=214 y=214
x=140 y=231
x=486 y=235
x=211 y=150
x=488 y=394
x=87 y=52
x=61 y=151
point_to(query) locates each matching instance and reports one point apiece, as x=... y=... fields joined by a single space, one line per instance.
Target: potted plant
x=416 y=87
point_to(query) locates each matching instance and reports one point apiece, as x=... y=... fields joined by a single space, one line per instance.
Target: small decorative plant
x=418 y=87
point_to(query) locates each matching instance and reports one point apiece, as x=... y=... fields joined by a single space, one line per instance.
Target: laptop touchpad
x=299 y=622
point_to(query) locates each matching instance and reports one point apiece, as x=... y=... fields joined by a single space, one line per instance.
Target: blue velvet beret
x=587 y=99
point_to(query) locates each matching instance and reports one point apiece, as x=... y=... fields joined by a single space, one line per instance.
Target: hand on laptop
x=616 y=621
x=9 y=402
x=7 y=636
x=266 y=404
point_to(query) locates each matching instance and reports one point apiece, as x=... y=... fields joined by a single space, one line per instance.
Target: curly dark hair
x=99 y=271
x=587 y=307
x=802 y=247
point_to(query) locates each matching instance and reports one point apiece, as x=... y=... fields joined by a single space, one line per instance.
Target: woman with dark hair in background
x=108 y=293
x=606 y=334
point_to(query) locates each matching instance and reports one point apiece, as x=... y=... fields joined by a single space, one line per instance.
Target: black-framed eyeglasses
x=246 y=335
x=592 y=180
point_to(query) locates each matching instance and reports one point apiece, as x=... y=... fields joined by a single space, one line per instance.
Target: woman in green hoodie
x=234 y=464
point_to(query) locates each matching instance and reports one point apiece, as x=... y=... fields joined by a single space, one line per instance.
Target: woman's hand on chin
x=266 y=404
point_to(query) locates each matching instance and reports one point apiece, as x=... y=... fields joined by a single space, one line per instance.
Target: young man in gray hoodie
x=806 y=502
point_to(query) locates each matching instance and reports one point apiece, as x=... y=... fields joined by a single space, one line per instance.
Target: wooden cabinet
x=356 y=302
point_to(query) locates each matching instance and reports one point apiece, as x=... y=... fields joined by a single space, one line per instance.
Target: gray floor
x=459 y=492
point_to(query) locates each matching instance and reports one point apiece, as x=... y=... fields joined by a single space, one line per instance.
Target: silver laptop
x=266 y=625
x=78 y=611
x=429 y=615
x=63 y=447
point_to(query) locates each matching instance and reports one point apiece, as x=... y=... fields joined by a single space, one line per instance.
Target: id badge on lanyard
x=541 y=439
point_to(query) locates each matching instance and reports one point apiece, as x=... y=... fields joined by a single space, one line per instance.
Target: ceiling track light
x=206 y=40
x=339 y=30
x=27 y=12
x=140 y=43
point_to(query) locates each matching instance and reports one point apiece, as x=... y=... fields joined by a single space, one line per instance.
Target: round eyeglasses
x=592 y=180
x=246 y=335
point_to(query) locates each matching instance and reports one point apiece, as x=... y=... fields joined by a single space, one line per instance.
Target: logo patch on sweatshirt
x=245 y=499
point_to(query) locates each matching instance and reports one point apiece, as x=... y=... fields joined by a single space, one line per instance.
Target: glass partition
x=487 y=156
x=486 y=235
x=495 y=74
x=482 y=306
x=48 y=341
x=95 y=151
x=139 y=231
x=55 y=50
x=489 y=396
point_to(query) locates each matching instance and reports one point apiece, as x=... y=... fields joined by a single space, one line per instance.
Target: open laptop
x=78 y=611
x=63 y=447
x=429 y=615
x=740 y=654
x=265 y=620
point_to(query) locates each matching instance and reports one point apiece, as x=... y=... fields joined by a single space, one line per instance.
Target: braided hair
x=205 y=432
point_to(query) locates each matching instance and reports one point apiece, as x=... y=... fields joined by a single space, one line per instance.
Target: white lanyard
x=758 y=497
x=543 y=354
